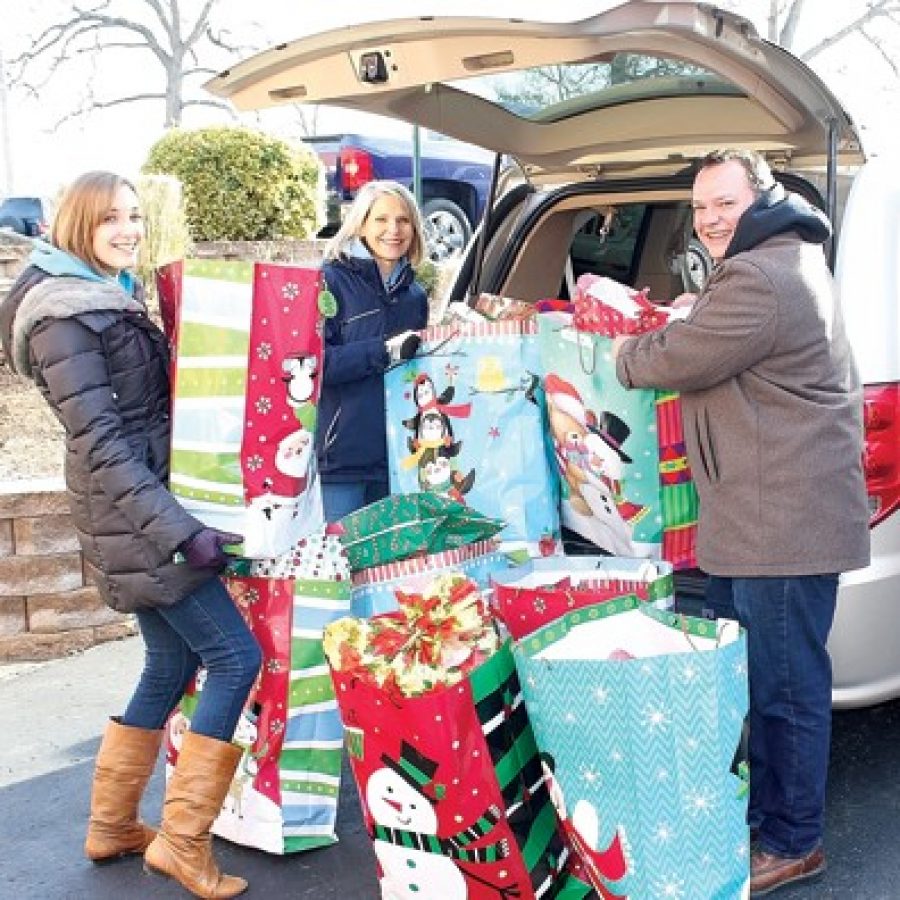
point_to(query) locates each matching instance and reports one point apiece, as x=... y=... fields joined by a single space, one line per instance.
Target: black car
x=24 y=215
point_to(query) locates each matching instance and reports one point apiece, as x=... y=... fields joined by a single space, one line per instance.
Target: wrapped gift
x=246 y=381
x=529 y=596
x=605 y=306
x=405 y=525
x=375 y=589
x=284 y=794
x=465 y=421
x=639 y=714
x=450 y=781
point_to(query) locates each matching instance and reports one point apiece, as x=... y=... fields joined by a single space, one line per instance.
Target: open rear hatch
x=706 y=80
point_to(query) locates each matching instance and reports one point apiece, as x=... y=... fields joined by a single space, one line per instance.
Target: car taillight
x=356 y=165
x=881 y=458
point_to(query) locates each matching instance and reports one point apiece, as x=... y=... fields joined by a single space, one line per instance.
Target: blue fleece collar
x=356 y=249
x=53 y=261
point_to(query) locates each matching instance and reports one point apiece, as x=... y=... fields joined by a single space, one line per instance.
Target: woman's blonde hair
x=359 y=211
x=81 y=209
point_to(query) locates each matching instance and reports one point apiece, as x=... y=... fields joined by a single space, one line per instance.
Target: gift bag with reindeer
x=450 y=780
x=246 y=379
x=638 y=712
x=465 y=421
x=284 y=794
x=625 y=484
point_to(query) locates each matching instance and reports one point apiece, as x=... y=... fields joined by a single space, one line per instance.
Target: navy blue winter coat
x=350 y=436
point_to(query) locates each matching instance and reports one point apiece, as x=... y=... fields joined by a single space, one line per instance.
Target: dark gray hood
x=776 y=211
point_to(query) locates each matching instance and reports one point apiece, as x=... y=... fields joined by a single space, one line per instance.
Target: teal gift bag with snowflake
x=465 y=421
x=638 y=713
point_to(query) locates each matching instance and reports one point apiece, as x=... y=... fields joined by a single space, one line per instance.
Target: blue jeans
x=340 y=498
x=204 y=629
x=787 y=622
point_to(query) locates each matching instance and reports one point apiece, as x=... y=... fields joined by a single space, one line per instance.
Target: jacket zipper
x=330 y=436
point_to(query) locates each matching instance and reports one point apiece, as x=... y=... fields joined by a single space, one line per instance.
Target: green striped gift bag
x=284 y=795
x=246 y=381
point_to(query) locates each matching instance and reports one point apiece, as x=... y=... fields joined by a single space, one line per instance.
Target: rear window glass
x=551 y=93
x=610 y=248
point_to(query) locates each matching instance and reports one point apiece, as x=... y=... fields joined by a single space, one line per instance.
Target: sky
x=43 y=155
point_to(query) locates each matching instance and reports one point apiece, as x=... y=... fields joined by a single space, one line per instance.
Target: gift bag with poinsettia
x=449 y=777
x=246 y=381
x=284 y=794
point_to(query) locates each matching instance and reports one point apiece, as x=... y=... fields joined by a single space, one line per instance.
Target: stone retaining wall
x=47 y=606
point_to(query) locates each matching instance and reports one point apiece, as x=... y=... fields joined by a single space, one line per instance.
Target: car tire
x=13 y=222
x=696 y=266
x=447 y=229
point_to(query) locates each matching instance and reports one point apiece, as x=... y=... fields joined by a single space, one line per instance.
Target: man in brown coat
x=772 y=411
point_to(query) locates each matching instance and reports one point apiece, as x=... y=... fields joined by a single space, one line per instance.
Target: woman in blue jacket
x=369 y=270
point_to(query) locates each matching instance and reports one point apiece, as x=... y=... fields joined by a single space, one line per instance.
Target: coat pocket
x=706 y=444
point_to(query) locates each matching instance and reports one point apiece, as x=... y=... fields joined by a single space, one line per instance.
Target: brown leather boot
x=183 y=848
x=124 y=765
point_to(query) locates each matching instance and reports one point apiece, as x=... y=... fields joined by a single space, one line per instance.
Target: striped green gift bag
x=284 y=794
x=246 y=375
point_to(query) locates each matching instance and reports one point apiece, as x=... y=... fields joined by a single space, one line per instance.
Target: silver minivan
x=598 y=124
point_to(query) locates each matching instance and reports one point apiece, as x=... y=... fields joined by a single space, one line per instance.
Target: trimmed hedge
x=241 y=184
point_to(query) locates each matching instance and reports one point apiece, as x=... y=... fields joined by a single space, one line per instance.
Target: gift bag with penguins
x=246 y=382
x=624 y=481
x=464 y=420
x=284 y=794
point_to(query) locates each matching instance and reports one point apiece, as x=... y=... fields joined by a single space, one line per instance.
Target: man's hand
x=617 y=343
x=684 y=300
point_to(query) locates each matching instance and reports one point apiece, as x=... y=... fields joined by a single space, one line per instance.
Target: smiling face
x=722 y=192
x=395 y=803
x=119 y=233
x=387 y=231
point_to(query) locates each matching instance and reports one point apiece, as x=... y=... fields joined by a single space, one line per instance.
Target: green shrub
x=166 y=237
x=240 y=184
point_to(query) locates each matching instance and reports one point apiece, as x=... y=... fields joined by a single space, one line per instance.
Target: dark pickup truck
x=455 y=178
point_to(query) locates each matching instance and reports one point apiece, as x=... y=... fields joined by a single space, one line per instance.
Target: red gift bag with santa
x=246 y=380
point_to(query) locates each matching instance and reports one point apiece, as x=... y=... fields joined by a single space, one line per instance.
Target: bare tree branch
x=181 y=47
x=888 y=57
x=877 y=9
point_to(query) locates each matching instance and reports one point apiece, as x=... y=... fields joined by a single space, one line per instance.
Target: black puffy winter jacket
x=102 y=365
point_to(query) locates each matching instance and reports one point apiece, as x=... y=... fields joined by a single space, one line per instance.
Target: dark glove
x=403 y=346
x=205 y=550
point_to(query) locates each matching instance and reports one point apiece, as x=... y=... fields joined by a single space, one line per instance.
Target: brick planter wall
x=47 y=607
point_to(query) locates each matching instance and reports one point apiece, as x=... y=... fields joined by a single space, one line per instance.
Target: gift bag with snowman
x=625 y=483
x=449 y=776
x=283 y=797
x=464 y=420
x=246 y=381
x=638 y=712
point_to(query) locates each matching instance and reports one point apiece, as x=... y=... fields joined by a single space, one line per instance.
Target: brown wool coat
x=772 y=411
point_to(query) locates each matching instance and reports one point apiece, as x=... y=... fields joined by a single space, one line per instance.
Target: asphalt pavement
x=54 y=714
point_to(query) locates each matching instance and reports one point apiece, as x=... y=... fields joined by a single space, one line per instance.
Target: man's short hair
x=758 y=172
